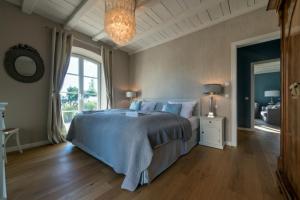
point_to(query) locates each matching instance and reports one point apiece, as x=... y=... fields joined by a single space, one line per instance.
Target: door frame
x=234 y=46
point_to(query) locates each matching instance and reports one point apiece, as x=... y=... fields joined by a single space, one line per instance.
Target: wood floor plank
x=65 y=172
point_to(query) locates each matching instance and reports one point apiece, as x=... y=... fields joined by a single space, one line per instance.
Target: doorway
x=266 y=141
x=234 y=48
x=265 y=96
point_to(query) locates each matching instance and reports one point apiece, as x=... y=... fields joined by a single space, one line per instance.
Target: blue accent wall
x=246 y=56
x=263 y=82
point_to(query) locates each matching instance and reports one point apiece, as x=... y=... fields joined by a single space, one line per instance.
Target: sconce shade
x=213 y=89
x=130 y=94
x=272 y=93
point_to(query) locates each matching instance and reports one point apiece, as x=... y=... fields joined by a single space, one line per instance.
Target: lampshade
x=130 y=94
x=272 y=93
x=213 y=89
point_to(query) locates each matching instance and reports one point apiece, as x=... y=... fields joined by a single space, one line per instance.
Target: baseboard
x=228 y=143
x=246 y=129
x=27 y=146
x=285 y=187
x=218 y=146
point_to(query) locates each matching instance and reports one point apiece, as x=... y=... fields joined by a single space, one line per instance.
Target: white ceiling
x=158 y=21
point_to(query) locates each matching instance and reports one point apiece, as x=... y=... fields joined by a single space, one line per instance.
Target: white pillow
x=148 y=106
x=164 y=108
x=186 y=109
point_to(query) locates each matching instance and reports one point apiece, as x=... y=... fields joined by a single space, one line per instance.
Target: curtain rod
x=80 y=40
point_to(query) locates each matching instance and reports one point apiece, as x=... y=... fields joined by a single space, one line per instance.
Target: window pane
x=74 y=65
x=90 y=94
x=90 y=86
x=69 y=102
x=90 y=103
x=103 y=90
x=69 y=106
x=90 y=69
x=71 y=83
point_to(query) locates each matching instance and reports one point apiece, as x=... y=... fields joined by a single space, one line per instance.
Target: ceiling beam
x=28 y=6
x=187 y=13
x=84 y=7
x=100 y=36
x=140 y=5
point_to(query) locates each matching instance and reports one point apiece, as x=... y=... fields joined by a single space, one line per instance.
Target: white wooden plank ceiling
x=158 y=21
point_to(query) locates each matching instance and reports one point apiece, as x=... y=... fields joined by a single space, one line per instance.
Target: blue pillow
x=135 y=105
x=173 y=108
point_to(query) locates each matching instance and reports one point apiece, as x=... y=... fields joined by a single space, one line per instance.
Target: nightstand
x=212 y=132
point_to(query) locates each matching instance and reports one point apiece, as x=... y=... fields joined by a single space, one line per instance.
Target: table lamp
x=271 y=94
x=211 y=90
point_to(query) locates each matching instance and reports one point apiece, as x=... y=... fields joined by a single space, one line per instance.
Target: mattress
x=194 y=122
x=166 y=155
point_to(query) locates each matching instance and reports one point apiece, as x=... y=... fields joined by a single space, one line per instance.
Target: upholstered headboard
x=197 y=109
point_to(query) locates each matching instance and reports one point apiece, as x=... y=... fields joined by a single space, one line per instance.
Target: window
x=82 y=89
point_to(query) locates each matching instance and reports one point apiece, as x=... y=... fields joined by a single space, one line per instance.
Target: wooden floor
x=65 y=172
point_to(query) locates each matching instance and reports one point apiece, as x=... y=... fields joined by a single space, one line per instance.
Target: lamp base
x=211 y=115
x=271 y=101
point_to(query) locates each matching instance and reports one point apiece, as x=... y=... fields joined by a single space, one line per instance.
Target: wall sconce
x=226 y=85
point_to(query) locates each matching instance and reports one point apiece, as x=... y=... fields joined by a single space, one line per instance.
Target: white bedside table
x=212 y=132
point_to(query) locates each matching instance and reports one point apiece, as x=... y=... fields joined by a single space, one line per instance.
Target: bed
x=140 y=147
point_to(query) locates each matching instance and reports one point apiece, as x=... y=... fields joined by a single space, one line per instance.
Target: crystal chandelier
x=119 y=21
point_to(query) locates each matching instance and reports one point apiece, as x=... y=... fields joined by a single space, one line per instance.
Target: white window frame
x=81 y=76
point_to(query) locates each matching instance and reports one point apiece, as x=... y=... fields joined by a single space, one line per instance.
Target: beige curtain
x=61 y=53
x=106 y=55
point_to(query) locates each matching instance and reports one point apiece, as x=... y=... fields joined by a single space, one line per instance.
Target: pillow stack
x=143 y=106
x=148 y=106
x=172 y=108
x=184 y=109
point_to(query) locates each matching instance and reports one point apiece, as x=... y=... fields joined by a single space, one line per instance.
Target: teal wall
x=263 y=82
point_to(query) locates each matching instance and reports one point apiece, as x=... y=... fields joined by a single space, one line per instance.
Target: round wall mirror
x=25 y=66
x=23 y=63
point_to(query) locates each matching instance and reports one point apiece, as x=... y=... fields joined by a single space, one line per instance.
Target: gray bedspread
x=126 y=143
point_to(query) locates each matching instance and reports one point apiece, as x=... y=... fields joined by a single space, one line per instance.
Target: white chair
x=8 y=133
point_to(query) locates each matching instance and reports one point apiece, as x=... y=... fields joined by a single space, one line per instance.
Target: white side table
x=212 y=132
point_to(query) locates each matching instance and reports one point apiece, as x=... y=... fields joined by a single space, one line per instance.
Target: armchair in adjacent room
x=271 y=114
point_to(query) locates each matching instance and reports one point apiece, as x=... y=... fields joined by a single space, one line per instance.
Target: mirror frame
x=23 y=50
